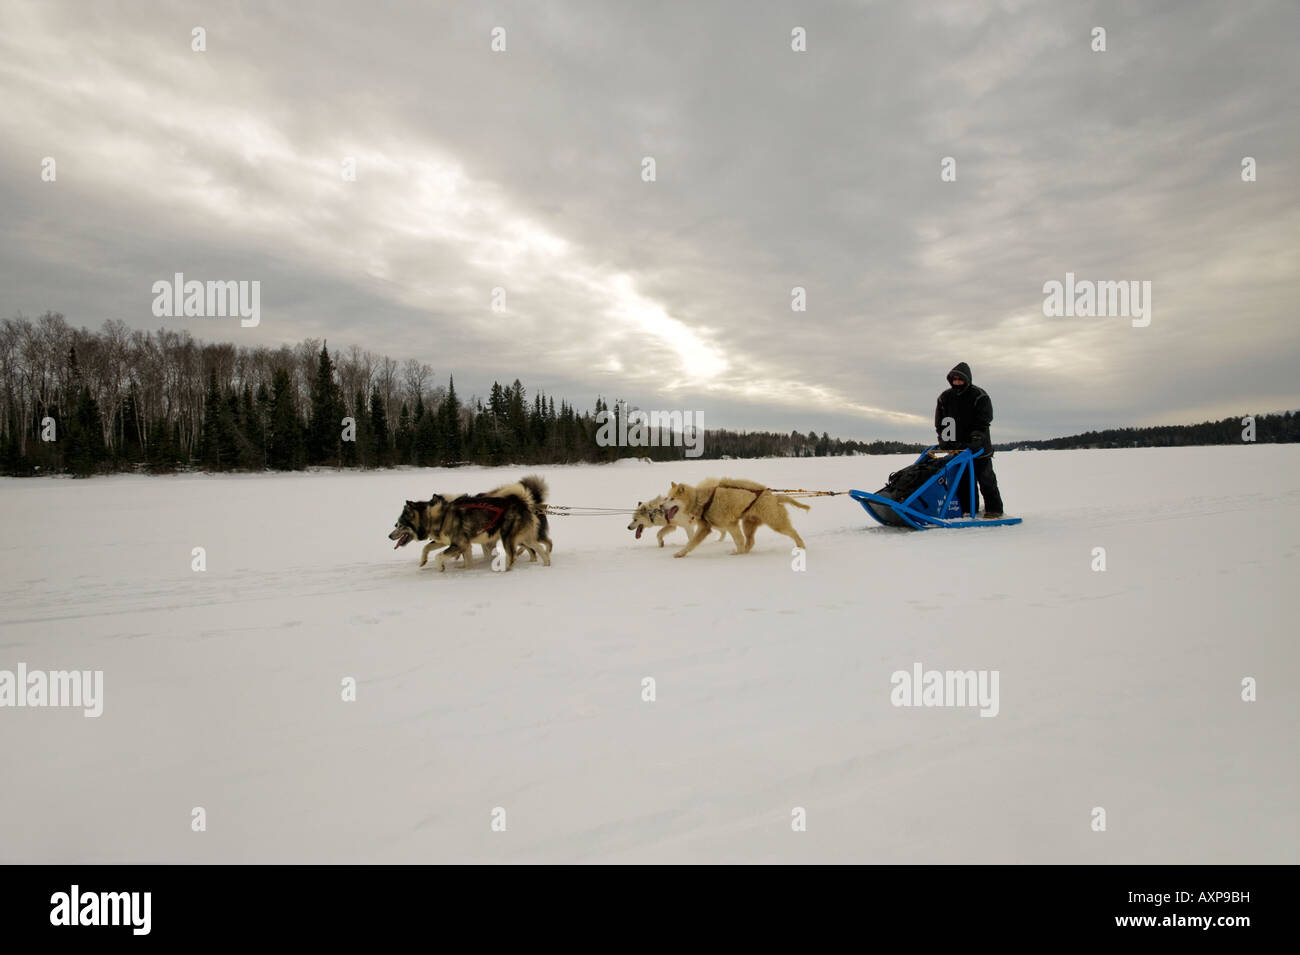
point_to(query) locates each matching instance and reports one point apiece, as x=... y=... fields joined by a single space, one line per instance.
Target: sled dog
x=731 y=503
x=665 y=515
x=514 y=513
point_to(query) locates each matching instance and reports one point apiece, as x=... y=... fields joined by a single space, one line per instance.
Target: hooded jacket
x=971 y=408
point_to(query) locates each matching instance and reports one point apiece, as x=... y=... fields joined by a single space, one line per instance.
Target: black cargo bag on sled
x=902 y=483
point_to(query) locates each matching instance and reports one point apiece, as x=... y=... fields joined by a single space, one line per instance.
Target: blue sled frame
x=935 y=503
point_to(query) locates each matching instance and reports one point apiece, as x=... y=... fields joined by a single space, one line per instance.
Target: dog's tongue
x=397 y=545
x=670 y=512
x=639 y=529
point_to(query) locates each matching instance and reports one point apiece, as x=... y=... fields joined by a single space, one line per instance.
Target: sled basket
x=940 y=500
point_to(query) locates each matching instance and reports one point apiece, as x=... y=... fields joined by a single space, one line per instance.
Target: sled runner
x=930 y=493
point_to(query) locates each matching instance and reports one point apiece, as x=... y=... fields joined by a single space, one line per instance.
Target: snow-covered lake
x=476 y=690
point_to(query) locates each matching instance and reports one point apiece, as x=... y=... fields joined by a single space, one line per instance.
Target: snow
x=475 y=690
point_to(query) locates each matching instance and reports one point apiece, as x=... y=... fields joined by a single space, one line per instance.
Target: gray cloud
x=775 y=169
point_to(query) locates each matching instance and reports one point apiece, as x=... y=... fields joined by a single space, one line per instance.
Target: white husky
x=666 y=515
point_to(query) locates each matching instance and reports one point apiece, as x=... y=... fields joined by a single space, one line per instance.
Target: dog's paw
x=680 y=553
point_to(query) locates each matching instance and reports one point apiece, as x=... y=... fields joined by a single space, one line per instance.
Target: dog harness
x=482 y=504
x=731 y=487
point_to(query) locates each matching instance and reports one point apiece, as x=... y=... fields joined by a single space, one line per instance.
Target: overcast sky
x=775 y=168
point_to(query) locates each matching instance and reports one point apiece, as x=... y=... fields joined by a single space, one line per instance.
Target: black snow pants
x=988 y=488
x=988 y=485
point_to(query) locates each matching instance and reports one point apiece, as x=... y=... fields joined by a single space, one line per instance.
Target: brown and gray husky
x=515 y=514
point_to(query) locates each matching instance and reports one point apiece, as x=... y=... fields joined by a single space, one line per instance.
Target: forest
x=120 y=399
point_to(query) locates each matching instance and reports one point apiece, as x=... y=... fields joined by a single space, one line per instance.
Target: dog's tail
x=787 y=499
x=536 y=487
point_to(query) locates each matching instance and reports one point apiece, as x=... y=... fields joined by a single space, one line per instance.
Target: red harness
x=484 y=504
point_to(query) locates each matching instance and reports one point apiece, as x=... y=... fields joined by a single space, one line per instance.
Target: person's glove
x=979 y=441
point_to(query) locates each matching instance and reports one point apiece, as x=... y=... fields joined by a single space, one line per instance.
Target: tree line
x=84 y=402
x=1276 y=428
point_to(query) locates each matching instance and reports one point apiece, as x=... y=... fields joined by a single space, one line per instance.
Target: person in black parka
x=971 y=412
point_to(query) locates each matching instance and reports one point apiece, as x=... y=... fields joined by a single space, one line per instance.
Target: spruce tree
x=86 y=451
x=380 y=455
x=212 y=438
x=253 y=452
x=285 y=432
x=233 y=453
x=405 y=438
x=427 y=446
x=449 y=430
x=326 y=414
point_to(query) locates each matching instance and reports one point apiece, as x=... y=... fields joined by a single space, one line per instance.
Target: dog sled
x=944 y=497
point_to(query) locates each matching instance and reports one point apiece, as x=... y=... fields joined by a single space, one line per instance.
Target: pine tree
x=380 y=454
x=129 y=448
x=537 y=426
x=263 y=410
x=285 y=432
x=232 y=436
x=85 y=450
x=163 y=454
x=449 y=426
x=517 y=418
x=326 y=413
x=253 y=451
x=405 y=438
x=427 y=447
